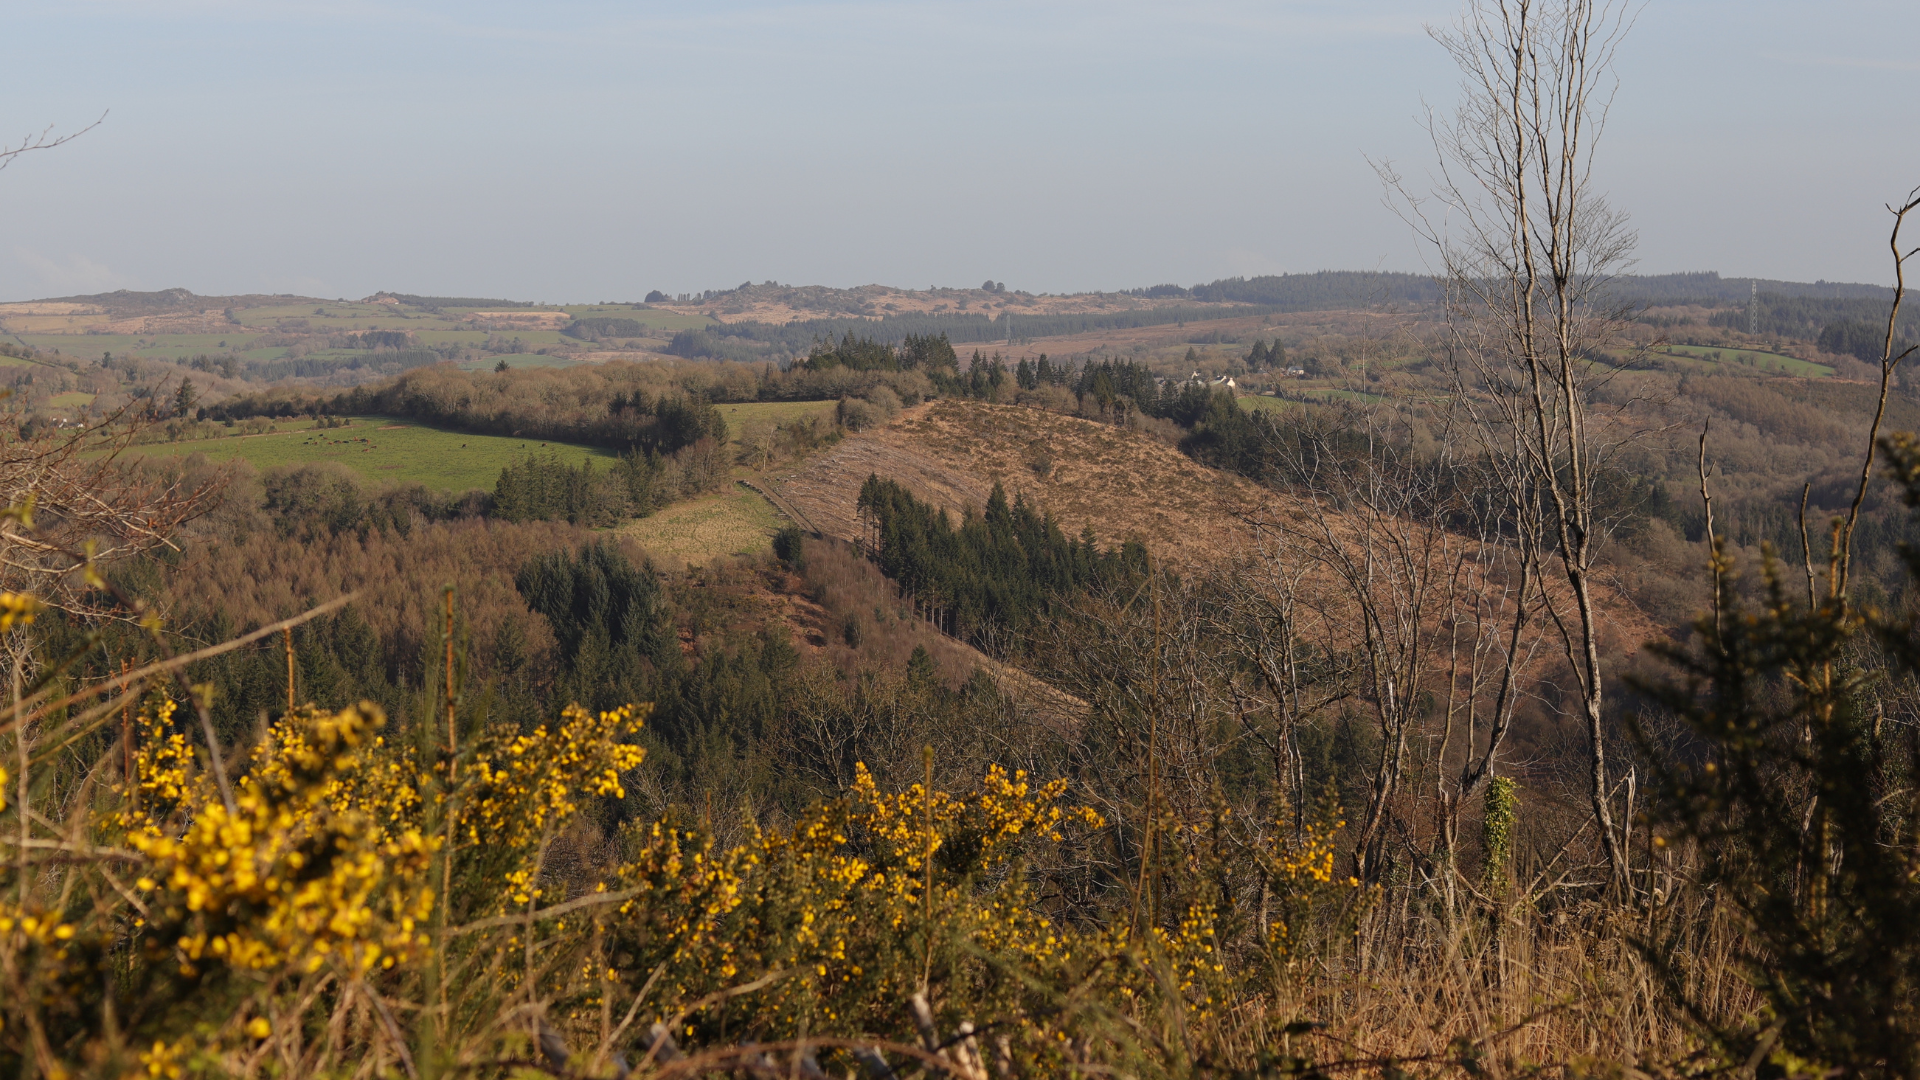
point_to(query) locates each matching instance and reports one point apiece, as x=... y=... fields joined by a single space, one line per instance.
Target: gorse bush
x=1800 y=802
x=347 y=896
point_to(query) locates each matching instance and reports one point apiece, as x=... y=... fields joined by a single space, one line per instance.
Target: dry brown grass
x=1121 y=484
x=736 y=521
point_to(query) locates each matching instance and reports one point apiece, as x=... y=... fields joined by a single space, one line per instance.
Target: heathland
x=779 y=679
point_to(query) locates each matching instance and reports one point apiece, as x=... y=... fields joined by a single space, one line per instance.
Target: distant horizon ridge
x=1710 y=285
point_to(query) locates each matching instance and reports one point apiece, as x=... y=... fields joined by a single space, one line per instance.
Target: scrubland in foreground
x=822 y=807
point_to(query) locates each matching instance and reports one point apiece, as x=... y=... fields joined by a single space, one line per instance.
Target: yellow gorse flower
x=840 y=901
x=297 y=872
x=528 y=783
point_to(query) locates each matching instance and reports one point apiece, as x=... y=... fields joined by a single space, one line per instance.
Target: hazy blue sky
x=583 y=151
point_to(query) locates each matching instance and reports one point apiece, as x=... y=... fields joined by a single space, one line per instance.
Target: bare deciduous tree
x=1528 y=249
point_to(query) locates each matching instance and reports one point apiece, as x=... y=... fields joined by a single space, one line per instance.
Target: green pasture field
x=1250 y=402
x=1751 y=358
x=72 y=399
x=384 y=450
x=1332 y=394
x=755 y=421
x=738 y=521
x=516 y=360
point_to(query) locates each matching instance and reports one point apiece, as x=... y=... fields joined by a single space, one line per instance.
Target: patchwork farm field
x=383 y=450
x=240 y=330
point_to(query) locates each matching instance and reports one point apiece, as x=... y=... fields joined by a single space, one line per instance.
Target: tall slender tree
x=1528 y=248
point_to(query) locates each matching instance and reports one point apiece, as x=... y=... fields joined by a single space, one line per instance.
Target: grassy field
x=734 y=522
x=1332 y=394
x=383 y=450
x=1250 y=402
x=1760 y=361
x=756 y=421
x=72 y=399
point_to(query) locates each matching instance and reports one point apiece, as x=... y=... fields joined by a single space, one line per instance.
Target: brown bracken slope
x=1122 y=484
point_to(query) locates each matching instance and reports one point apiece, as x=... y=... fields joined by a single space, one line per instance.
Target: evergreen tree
x=928 y=351
x=610 y=620
x=1002 y=569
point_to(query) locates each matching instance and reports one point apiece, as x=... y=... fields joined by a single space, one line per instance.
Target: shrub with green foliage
x=1798 y=794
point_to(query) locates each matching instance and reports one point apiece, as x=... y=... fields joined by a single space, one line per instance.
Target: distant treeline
x=1711 y=290
x=305 y=367
x=996 y=573
x=605 y=327
x=959 y=328
x=373 y=339
x=1848 y=327
x=1337 y=289
x=917 y=352
x=1327 y=290
x=1323 y=291
x=435 y=303
x=618 y=405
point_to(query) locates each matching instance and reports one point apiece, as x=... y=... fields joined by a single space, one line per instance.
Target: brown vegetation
x=1117 y=482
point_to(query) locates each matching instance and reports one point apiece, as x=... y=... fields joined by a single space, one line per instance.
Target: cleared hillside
x=1120 y=483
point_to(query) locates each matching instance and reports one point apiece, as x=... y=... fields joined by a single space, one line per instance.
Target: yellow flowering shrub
x=295 y=872
x=163 y=779
x=1299 y=866
x=527 y=784
x=838 y=904
x=316 y=887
